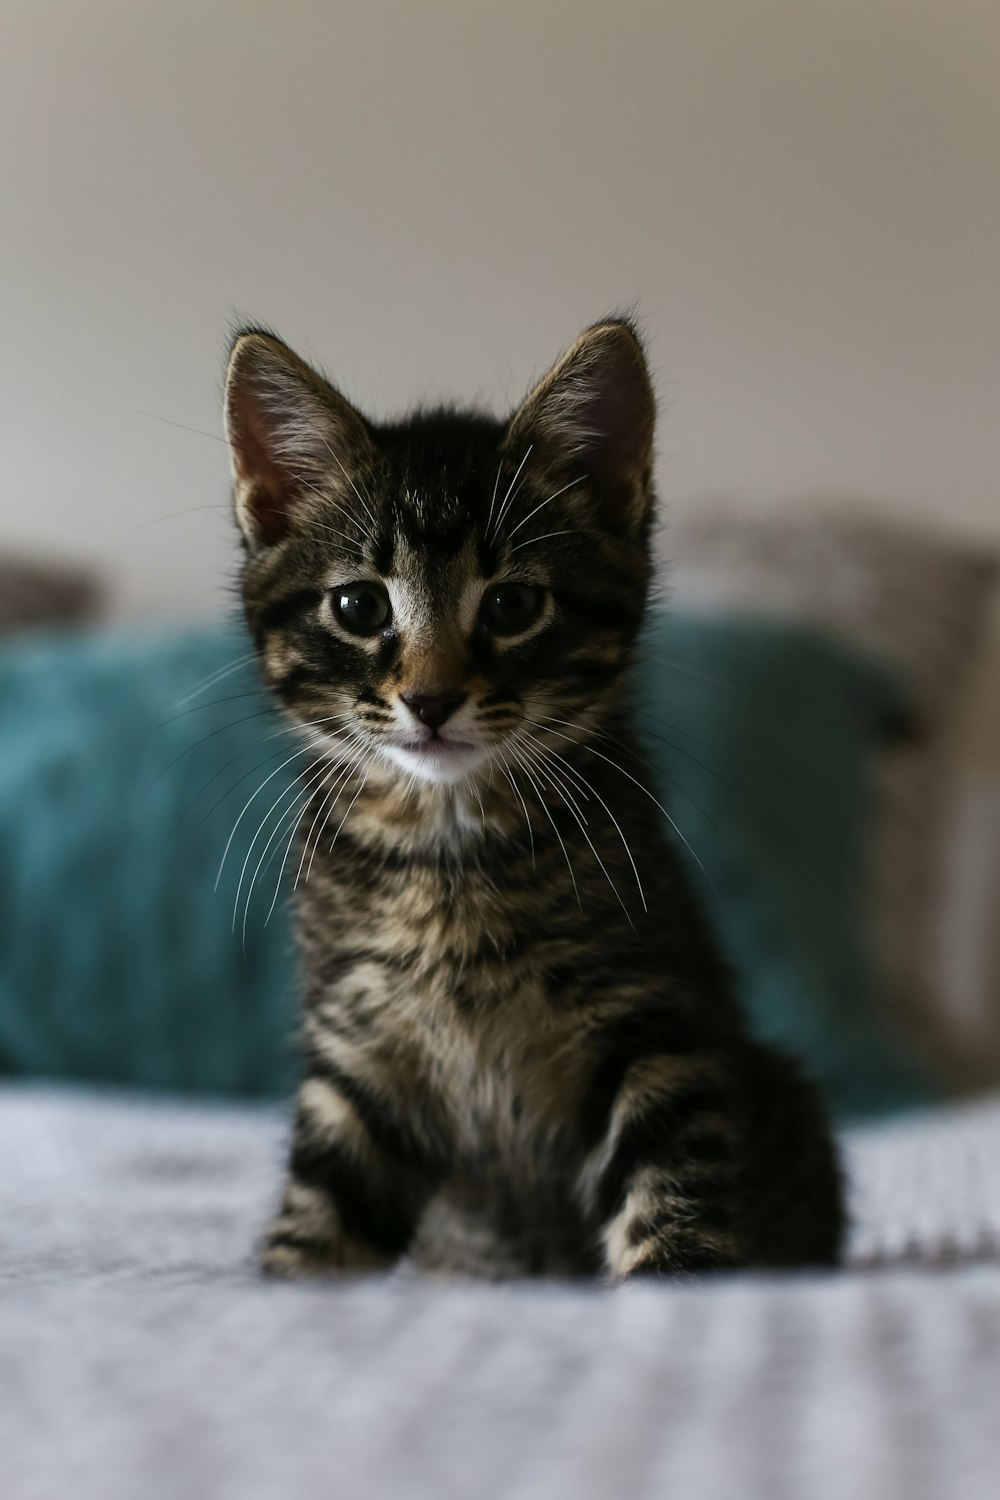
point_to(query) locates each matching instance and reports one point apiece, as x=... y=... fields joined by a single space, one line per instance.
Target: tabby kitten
x=522 y=1052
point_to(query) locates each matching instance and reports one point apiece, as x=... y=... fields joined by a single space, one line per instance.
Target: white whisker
x=572 y=531
x=306 y=750
x=298 y=792
x=350 y=480
x=293 y=812
x=493 y=502
x=329 y=802
x=215 y=677
x=353 y=766
x=411 y=783
x=331 y=500
x=621 y=770
x=296 y=824
x=527 y=518
x=540 y=758
x=674 y=780
x=335 y=531
x=566 y=795
x=308 y=724
x=354 y=799
x=593 y=791
x=506 y=499
x=505 y=771
x=555 y=830
x=475 y=792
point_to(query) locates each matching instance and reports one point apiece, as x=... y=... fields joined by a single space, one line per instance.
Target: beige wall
x=433 y=196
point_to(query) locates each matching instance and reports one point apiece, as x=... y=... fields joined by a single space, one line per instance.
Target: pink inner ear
x=269 y=491
x=594 y=413
x=620 y=428
x=286 y=426
x=606 y=428
x=268 y=486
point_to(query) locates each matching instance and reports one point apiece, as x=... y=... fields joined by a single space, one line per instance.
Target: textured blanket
x=142 y=1359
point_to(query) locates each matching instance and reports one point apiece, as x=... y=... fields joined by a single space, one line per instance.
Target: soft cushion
x=34 y=594
x=118 y=962
x=126 y=761
x=765 y=740
x=922 y=602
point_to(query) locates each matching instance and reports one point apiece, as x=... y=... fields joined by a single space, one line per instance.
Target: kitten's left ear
x=594 y=414
x=291 y=435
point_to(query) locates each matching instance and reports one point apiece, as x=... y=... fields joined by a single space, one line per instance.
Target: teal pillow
x=763 y=739
x=127 y=761
x=117 y=792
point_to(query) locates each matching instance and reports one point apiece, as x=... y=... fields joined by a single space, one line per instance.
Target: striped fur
x=521 y=1051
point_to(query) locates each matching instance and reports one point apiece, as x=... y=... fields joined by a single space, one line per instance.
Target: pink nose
x=433 y=709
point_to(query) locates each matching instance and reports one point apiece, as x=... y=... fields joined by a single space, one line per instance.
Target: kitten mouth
x=436 y=758
x=437 y=746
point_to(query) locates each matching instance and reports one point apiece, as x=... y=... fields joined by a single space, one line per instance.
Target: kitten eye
x=511 y=607
x=362 y=608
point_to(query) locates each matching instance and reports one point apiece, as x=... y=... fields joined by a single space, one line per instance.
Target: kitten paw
x=288 y=1261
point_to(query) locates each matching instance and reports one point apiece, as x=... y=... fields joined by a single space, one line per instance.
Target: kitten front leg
x=663 y=1182
x=358 y=1181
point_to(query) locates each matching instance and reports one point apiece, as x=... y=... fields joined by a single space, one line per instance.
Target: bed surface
x=142 y=1359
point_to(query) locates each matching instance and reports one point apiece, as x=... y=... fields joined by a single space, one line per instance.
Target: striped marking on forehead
x=436 y=527
x=439 y=522
x=430 y=593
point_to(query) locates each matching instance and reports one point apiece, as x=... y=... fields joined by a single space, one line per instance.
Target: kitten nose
x=433 y=709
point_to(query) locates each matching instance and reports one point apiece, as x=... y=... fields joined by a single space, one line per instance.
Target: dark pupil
x=512 y=607
x=362 y=609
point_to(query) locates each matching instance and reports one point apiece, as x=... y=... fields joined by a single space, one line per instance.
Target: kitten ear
x=594 y=414
x=290 y=434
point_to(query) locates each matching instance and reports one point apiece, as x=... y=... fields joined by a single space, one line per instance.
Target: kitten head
x=432 y=594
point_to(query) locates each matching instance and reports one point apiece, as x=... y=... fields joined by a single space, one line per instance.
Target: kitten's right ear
x=593 y=416
x=290 y=436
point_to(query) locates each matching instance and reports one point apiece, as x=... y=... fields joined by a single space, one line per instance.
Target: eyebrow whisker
x=571 y=531
x=549 y=501
x=505 y=503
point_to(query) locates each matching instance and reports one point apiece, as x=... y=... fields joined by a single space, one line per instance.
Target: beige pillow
x=45 y=594
x=922 y=603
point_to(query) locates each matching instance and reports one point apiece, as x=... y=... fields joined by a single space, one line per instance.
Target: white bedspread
x=141 y=1358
